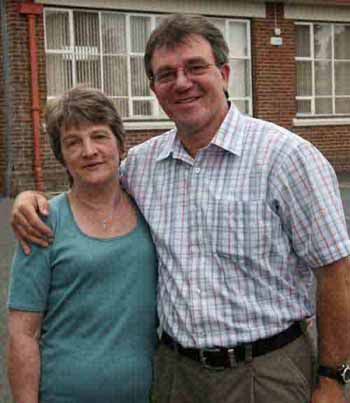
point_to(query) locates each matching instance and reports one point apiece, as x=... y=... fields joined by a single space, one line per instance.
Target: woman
x=82 y=312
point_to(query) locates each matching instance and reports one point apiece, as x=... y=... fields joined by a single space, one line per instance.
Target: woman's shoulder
x=58 y=209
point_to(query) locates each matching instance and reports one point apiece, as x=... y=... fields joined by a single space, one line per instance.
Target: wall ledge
x=151 y=125
x=307 y=122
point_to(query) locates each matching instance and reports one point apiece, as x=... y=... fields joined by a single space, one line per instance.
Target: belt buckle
x=203 y=359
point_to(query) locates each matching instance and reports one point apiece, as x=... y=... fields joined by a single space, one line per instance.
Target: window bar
x=72 y=47
x=333 y=69
x=249 y=78
x=128 y=51
x=101 y=51
x=312 y=55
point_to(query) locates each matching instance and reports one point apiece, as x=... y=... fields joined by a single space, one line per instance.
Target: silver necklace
x=104 y=221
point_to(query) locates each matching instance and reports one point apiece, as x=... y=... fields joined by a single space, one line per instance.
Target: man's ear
x=225 y=73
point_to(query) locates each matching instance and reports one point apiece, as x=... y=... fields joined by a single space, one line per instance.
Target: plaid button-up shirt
x=237 y=229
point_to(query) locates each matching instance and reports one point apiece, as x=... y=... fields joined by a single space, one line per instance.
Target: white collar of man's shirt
x=229 y=137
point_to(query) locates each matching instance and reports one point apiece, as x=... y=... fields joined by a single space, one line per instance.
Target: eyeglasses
x=190 y=70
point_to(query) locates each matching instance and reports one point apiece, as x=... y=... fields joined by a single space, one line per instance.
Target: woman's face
x=91 y=154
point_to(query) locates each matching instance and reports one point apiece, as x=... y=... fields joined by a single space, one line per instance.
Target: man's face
x=193 y=99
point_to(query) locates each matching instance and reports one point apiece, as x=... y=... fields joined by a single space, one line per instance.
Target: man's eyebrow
x=196 y=60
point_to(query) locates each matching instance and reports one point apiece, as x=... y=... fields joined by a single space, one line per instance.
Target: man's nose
x=182 y=80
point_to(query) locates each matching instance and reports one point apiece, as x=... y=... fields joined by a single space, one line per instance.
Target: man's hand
x=25 y=220
x=329 y=391
x=333 y=318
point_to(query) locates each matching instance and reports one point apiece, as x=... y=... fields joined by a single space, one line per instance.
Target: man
x=243 y=214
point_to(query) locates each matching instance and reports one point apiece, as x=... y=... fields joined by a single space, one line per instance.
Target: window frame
x=158 y=117
x=312 y=98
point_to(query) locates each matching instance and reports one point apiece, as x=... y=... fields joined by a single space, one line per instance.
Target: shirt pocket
x=242 y=229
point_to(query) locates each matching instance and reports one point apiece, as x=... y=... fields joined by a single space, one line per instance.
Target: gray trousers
x=282 y=376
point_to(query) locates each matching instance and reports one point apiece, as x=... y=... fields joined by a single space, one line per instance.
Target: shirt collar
x=229 y=137
x=230 y=134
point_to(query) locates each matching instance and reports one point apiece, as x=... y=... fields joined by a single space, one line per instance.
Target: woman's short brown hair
x=79 y=106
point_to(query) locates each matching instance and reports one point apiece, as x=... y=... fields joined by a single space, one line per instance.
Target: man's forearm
x=24 y=369
x=333 y=313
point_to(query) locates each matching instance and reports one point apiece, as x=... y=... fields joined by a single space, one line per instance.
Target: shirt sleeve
x=30 y=279
x=311 y=208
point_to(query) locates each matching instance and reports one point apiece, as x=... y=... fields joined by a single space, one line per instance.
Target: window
x=323 y=69
x=105 y=50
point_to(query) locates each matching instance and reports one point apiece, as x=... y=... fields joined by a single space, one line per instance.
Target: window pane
x=304 y=81
x=342 y=78
x=342 y=41
x=88 y=72
x=57 y=30
x=303 y=41
x=115 y=82
x=239 y=85
x=122 y=106
x=142 y=108
x=58 y=74
x=303 y=106
x=139 y=81
x=323 y=39
x=243 y=106
x=113 y=33
x=323 y=78
x=342 y=105
x=86 y=29
x=140 y=30
x=323 y=105
x=237 y=39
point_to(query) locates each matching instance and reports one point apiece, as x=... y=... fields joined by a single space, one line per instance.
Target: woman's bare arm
x=24 y=355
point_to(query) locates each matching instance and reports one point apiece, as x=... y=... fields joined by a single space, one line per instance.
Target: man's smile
x=187 y=100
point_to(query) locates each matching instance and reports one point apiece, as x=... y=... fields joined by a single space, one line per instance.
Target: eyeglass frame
x=186 y=71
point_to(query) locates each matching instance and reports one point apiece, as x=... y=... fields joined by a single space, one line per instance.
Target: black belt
x=220 y=357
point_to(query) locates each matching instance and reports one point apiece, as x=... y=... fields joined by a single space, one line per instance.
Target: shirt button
x=197 y=170
x=198 y=290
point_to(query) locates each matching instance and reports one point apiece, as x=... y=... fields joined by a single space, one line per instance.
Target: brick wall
x=2 y=119
x=274 y=86
x=273 y=68
x=274 y=77
x=333 y=142
x=20 y=91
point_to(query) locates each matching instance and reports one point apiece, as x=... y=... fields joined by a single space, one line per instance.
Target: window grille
x=323 y=69
x=105 y=50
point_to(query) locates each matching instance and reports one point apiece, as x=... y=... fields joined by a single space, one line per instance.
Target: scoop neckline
x=108 y=239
